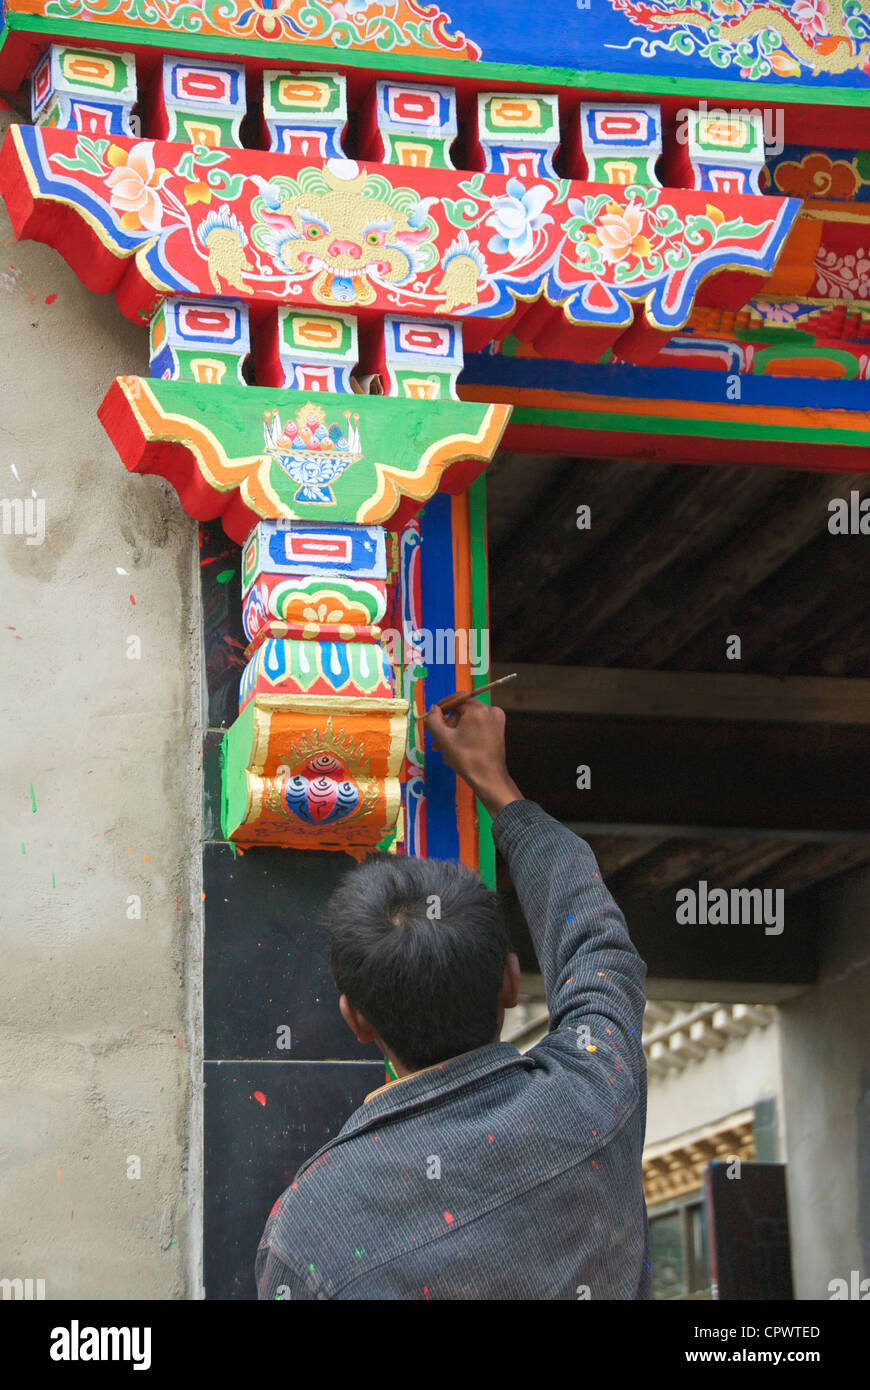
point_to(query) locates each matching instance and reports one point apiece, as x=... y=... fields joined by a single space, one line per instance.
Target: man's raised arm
x=593 y=974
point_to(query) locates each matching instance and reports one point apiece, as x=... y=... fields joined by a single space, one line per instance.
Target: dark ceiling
x=677 y=559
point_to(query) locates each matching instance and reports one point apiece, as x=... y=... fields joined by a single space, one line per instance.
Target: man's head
x=421 y=957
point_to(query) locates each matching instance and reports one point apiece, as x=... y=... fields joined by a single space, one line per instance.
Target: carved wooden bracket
x=228 y=450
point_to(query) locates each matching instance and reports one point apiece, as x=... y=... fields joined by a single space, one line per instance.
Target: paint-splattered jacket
x=539 y=1194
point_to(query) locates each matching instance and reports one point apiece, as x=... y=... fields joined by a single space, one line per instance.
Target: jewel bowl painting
x=311 y=452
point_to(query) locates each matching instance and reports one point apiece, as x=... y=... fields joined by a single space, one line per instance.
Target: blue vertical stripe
x=438 y=611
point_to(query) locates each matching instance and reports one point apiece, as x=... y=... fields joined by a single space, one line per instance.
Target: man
x=479 y=1173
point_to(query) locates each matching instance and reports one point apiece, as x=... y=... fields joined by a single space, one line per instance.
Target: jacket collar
x=434 y=1083
x=397 y=1081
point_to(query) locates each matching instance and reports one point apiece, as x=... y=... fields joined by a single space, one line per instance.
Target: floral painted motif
x=843 y=276
x=768 y=39
x=779 y=313
x=516 y=216
x=381 y=26
x=619 y=234
x=344 y=236
x=643 y=242
x=266 y=19
x=135 y=185
x=130 y=173
x=812 y=16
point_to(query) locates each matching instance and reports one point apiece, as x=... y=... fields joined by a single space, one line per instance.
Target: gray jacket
x=539 y=1194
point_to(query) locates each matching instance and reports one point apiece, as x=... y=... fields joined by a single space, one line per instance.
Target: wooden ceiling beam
x=763 y=775
x=616 y=852
x=682 y=517
x=822 y=588
x=760 y=864
x=745 y=562
x=543 y=545
x=811 y=864
x=616 y=693
x=676 y=861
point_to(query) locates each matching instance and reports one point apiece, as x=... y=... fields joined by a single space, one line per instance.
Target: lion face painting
x=349 y=229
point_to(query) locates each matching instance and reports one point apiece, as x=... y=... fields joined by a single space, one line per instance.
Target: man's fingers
x=470 y=715
x=437 y=725
x=470 y=710
x=475 y=712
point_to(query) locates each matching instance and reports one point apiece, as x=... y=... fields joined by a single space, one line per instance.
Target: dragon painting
x=825 y=36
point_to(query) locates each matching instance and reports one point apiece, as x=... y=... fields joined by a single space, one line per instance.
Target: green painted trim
x=486 y=845
x=235 y=752
x=786 y=334
x=480 y=619
x=659 y=424
x=384 y=844
x=498 y=73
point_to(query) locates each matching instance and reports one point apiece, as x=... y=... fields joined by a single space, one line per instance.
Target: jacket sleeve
x=276 y=1277
x=593 y=975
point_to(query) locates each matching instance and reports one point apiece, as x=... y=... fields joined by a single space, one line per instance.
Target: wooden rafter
x=615 y=693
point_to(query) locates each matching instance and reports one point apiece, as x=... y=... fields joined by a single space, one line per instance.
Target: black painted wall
x=266 y=1106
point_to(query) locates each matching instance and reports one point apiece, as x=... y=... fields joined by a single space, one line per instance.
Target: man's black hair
x=419 y=948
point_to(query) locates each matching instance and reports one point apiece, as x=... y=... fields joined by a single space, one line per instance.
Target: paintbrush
x=452 y=702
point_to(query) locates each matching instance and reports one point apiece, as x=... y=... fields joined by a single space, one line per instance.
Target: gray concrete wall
x=99 y=1018
x=825 y=1058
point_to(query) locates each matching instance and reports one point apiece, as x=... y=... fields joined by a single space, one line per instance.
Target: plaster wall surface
x=825 y=1036
x=99 y=811
x=743 y=1073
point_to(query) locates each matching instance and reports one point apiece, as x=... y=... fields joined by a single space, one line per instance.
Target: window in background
x=678 y=1249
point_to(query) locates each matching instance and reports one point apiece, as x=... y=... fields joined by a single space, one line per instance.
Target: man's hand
x=471 y=741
